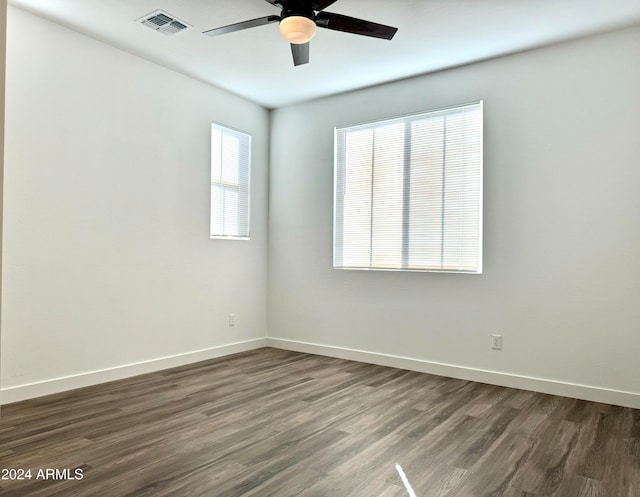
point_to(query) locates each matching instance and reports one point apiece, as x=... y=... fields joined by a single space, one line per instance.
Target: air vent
x=163 y=23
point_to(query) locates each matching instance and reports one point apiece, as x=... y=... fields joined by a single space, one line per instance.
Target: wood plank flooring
x=276 y=423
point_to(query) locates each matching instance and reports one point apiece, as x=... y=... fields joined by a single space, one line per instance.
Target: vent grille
x=163 y=23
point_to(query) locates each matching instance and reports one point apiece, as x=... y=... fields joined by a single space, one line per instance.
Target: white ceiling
x=256 y=63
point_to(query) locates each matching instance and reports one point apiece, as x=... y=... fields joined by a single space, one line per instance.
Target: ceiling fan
x=298 y=21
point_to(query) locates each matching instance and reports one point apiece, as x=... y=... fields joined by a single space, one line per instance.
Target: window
x=230 y=163
x=408 y=193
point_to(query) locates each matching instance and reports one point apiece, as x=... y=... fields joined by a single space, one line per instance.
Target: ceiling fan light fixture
x=297 y=29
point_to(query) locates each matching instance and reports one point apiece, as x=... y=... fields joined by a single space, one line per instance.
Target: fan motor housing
x=297 y=8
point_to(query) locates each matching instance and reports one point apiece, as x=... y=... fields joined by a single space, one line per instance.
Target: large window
x=408 y=193
x=230 y=164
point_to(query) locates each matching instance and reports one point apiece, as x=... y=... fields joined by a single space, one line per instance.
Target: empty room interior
x=396 y=255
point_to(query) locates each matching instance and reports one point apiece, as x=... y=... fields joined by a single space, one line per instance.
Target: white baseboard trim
x=55 y=385
x=573 y=390
x=553 y=387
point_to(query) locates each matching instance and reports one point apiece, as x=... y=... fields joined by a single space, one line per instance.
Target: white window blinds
x=230 y=165
x=408 y=193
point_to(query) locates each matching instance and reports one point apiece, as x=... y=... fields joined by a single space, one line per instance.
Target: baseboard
x=578 y=391
x=573 y=390
x=55 y=385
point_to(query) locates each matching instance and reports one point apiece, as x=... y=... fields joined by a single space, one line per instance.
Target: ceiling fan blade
x=338 y=22
x=321 y=4
x=260 y=21
x=300 y=53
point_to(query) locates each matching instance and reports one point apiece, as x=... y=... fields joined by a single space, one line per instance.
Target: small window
x=230 y=164
x=408 y=193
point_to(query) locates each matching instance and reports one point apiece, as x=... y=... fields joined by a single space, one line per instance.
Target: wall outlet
x=232 y=319
x=496 y=342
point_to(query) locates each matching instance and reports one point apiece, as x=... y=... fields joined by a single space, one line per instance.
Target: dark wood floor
x=276 y=423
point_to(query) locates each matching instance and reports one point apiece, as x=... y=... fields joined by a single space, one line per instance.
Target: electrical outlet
x=232 y=319
x=496 y=342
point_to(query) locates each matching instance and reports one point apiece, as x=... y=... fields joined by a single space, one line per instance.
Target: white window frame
x=238 y=182
x=361 y=159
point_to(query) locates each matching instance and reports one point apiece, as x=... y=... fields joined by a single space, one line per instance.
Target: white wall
x=3 y=51
x=108 y=260
x=562 y=230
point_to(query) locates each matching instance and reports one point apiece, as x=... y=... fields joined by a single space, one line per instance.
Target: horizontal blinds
x=230 y=164
x=409 y=192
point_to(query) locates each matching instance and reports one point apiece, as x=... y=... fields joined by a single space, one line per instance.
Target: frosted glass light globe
x=297 y=29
